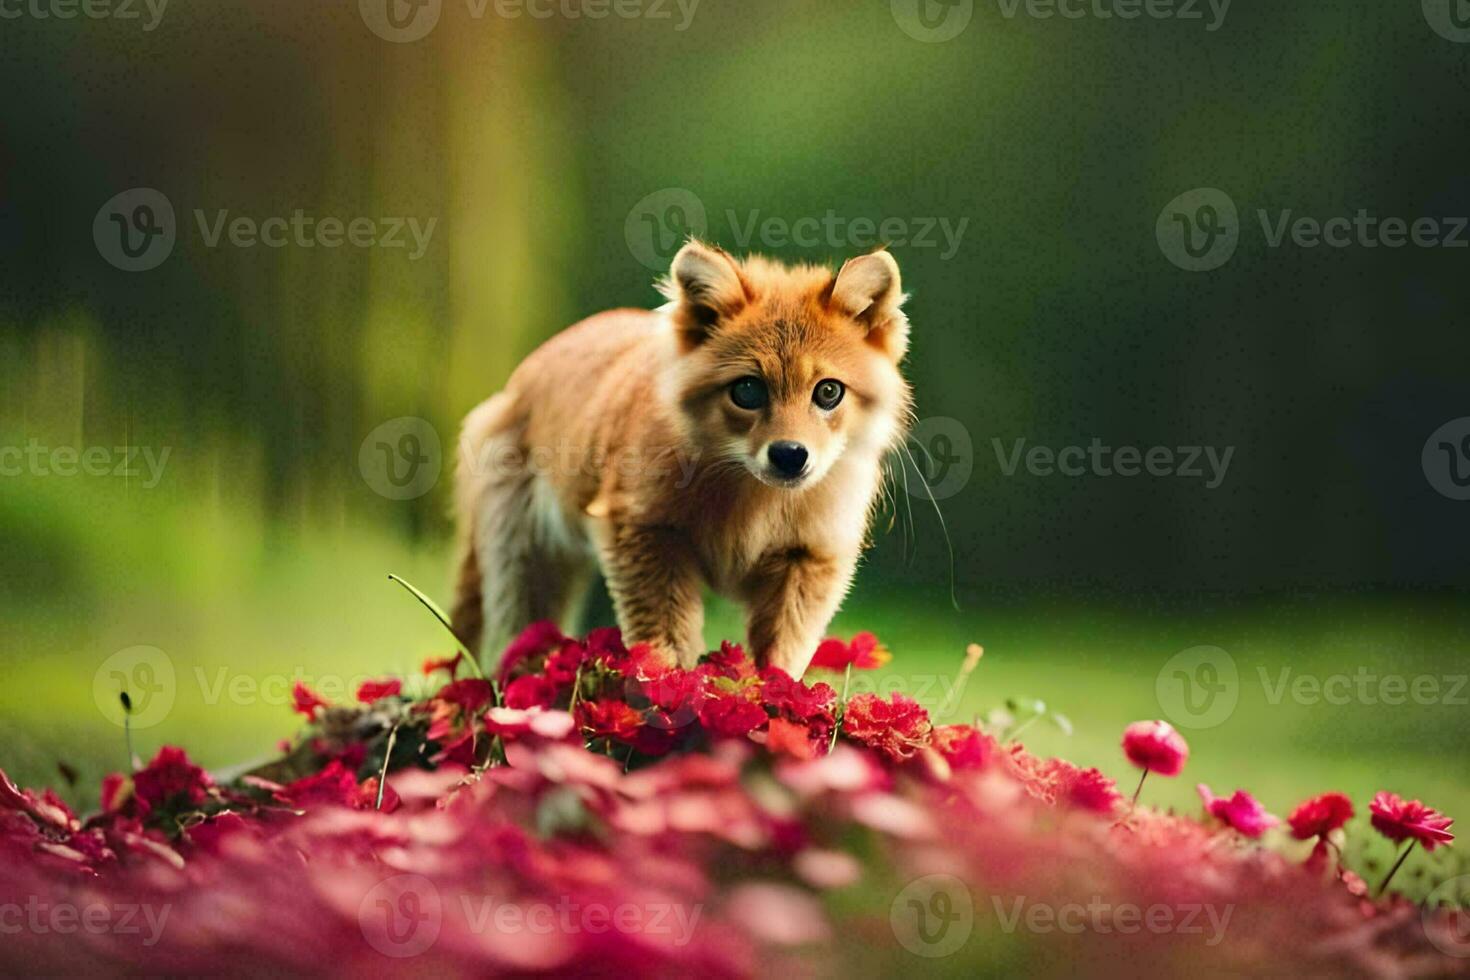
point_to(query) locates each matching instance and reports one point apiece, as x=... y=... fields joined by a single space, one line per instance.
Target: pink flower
x=964 y=747
x=863 y=653
x=306 y=701
x=1156 y=747
x=370 y=691
x=1241 y=811
x=1399 y=820
x=898 y=728
x=1320 y=816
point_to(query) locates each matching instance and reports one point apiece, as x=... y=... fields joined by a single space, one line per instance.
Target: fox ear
x=869 y=290
x=704 y=284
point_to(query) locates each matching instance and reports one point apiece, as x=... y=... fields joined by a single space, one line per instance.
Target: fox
x=732 y=439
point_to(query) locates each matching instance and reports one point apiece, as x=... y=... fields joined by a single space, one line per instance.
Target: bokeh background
x=561 y=158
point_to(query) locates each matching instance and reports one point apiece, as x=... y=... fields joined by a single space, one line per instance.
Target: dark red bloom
x=1241 y=811
x=898 y=728
x=470 y=694
x=336 y=785
x=1401 y=820
x=794 y=700
x=370 y=691
x=730 y=715
x=306 y=701
x=863 y=653
x=530 y=691
x=728 y=661
x=171 y=780
x=1155 y=746
x=1320 y=816
x=535 y=640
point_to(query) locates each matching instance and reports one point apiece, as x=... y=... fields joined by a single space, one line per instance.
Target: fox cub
x=733 y=438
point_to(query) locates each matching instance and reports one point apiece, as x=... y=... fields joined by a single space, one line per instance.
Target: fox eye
x=828 y=393
x=749 y=393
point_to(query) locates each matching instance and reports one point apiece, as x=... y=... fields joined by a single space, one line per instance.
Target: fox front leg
x=792 y=597
x=656 y=590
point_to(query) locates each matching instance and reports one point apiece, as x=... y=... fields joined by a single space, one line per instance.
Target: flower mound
x=592 y=810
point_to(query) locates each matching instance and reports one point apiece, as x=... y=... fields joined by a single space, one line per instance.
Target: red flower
x=728 y=661
x=535 y=640
x=898 y=728
x=1399 y=820
x=730 y=716
x=336 y=785
x=788 y=738
x=863 y=653
x=171 y=779
x=1320 y=816
x=609 y=718
x=964 y=747
x=794 y=700
x=306 y=701
x=470 y=694
x=370 y=691
x=450 y=664
x=530 y=691
x=1155 y=746
x=1241 y=811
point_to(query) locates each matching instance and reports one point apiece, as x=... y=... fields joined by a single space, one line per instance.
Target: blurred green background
x=560 y=160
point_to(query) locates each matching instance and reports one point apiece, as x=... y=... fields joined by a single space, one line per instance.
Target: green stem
x=383 y=776
x=438 y=614
x=1394 y=870
x=841 y=708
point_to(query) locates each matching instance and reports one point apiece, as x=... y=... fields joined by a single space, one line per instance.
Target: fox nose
x=787 y=458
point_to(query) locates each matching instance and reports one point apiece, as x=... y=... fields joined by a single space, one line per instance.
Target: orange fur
x=618 y=442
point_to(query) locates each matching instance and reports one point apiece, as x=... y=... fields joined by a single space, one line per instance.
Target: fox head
x=784 y=371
